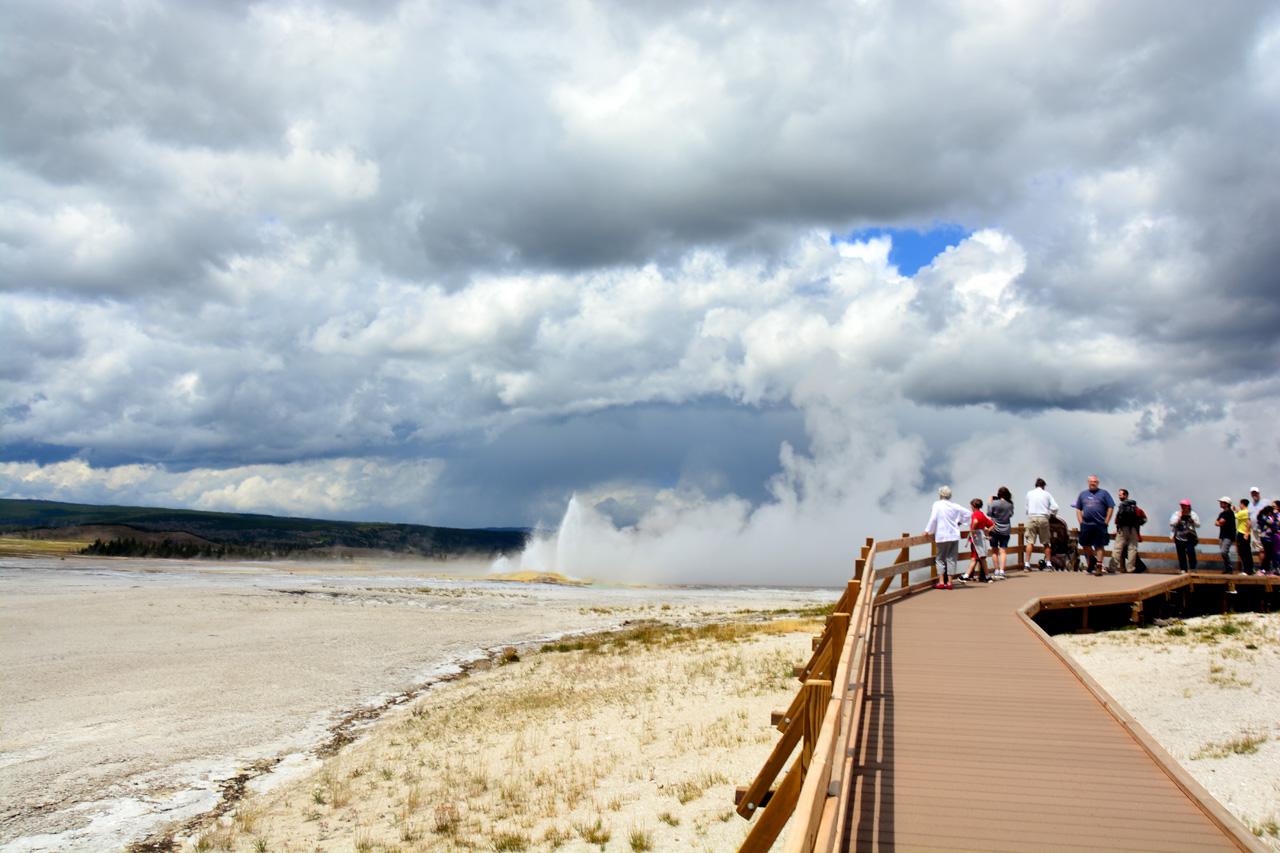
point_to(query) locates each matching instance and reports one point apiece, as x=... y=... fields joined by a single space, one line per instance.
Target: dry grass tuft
x=1245 y=744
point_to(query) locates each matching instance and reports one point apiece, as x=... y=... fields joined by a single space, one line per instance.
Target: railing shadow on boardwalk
x=839 y=793
x=873 y=800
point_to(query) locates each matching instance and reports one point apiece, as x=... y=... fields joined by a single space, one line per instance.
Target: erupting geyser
x=560 y=553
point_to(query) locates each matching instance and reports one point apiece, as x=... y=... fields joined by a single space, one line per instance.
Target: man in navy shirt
x=1093 y=511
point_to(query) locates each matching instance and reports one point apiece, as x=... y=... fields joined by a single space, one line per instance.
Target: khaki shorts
x=1038 y=528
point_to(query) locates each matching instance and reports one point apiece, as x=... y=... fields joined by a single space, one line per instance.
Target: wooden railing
x=822 y=718
x=826 y=712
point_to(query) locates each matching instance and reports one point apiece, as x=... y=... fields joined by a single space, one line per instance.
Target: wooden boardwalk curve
x=949 y=720
x=974 y=735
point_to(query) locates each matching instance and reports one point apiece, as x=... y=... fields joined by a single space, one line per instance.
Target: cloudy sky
x=749 y=279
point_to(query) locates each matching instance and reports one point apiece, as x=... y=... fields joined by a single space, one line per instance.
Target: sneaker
x=963 y=579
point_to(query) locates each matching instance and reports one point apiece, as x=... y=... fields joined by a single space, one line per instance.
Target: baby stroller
x=1062 y=551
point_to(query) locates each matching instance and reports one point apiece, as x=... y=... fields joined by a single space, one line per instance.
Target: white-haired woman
x=944 y=526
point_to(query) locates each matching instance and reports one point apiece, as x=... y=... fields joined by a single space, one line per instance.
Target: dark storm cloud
x=715 y=448
x=255 y=255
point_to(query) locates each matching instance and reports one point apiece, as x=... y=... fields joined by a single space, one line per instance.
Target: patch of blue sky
x=910 y=248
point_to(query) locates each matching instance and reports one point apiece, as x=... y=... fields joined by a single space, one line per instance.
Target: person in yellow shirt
x=1243 y=530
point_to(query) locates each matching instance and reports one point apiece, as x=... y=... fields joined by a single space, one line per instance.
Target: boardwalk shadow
x=871 y=819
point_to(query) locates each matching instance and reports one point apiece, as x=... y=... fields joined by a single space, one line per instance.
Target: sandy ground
x=133 y=690
x=634 y=745
x=1208 y=690
x=134 y=693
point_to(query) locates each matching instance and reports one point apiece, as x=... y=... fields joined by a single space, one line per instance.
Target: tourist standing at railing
x=1243 y=534
x=1093 y=513
x=1000 y=511
x=1267 y=529
x=1185 y=523
x=1226 y=532
x=945 y=521
x=1255 y=506
x=1129 y=518
x=1040 y=505
x=1275 y=546
x=979 y=524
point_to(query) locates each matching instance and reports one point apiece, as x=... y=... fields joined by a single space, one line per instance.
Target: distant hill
x=263 y=532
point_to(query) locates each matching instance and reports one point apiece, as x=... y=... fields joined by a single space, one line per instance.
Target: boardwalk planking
x=976 y=736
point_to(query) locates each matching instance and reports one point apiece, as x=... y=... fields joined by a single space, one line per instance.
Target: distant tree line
x=168 y=549
x=247 y=534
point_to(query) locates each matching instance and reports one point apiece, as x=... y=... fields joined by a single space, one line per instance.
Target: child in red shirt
x=978 y=542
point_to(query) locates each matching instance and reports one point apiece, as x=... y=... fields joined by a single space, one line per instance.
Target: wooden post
x=905 y=556
x=839 y=630
x=815 y=709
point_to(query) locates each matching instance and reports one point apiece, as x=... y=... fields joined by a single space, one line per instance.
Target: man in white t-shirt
x=1040 y=505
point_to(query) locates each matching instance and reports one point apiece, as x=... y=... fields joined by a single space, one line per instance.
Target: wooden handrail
x=825 y=717
x=812 y=723
x=826 y=709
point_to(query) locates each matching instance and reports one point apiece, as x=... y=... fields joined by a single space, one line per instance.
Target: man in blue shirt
x=1093 y=511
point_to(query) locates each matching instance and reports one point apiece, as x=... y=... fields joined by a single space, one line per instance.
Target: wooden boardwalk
x=975 y=735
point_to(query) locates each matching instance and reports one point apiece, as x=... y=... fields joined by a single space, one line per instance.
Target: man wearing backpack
x=1129 y=518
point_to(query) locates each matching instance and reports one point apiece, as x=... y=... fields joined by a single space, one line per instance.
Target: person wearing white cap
x=1184 y=523
x=1226 y=532
x=1255 y=504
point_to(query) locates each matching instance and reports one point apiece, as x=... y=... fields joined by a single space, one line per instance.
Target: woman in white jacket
x=944 y=526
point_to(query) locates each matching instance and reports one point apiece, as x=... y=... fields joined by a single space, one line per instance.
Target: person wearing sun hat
x=1184 y=523
x=1226 y=523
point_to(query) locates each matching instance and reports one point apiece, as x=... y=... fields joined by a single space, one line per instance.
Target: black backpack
x=1128 y=515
